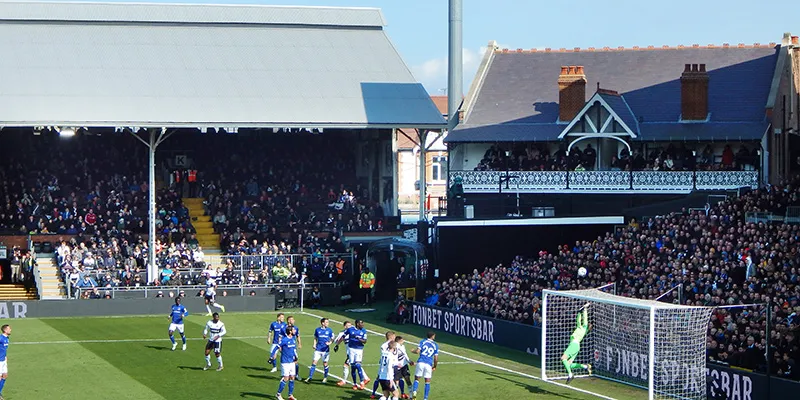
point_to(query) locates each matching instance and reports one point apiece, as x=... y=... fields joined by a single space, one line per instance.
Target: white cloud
x=433 y=73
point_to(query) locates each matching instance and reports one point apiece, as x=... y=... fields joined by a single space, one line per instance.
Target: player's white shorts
x=176 y=327
x=356 y=356
x=324 y=355
x=288 y=369
x=3 y=367
x=347 y=354
x=423 y=371
x=273 y=347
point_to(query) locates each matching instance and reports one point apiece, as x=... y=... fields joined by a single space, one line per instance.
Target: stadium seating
x=718 y=257
x=538 y=158
x=256 y=194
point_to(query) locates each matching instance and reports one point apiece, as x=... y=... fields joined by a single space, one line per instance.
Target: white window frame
x=438 y=163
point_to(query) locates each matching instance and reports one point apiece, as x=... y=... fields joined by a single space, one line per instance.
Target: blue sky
x=418 y=28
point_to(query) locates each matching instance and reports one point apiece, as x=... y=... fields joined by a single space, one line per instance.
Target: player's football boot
x=184 y=347
x=278 y=397
x=307 y=380
x=366 y=381
x=356 y=387
x=372 y=396
x=206 y=367
x=414 y=395
x=569 y=379
x=219 y=368
x=174 y=345
x=324 y=380
x=223 y=310
x=291 y=397
x=341 y=383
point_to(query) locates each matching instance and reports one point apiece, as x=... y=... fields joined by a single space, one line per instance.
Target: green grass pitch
x=130 y=358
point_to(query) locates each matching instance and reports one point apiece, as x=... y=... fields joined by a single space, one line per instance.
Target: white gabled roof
x=177 y=65
x=189 y=13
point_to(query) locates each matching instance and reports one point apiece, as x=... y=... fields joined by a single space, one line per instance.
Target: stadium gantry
x=154 y=69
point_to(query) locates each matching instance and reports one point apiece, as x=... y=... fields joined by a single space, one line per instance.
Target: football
x=582 y=272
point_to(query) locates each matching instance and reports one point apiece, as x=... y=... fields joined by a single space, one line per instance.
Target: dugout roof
x=171 y=65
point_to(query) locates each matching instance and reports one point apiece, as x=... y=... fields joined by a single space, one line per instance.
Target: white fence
x=603 y=181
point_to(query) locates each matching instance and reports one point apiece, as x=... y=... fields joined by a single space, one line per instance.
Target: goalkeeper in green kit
x=574 y=347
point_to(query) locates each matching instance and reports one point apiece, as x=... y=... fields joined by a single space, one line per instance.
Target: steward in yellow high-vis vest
x=366 y=283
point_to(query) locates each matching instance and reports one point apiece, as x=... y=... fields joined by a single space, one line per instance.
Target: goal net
x=657 y=346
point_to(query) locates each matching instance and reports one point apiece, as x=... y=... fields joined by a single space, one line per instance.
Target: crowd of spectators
x=321 y=260
x=537 y=157
x=96 y=264
x=92 y=186
x=718 y=257
x=295 y=184
x=267 y=194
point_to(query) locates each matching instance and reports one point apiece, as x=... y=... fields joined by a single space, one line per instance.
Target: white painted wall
x=407 y=173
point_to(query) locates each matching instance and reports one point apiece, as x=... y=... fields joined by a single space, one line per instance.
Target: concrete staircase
x=17 y=292
x=52 y=286
x=202 y=224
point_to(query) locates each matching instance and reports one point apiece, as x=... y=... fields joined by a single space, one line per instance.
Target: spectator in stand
x=537 y=157
x=16 y=264
x=718 y=256
x=316 y=298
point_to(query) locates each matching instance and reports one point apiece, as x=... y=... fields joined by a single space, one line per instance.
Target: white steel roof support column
x=155 y=138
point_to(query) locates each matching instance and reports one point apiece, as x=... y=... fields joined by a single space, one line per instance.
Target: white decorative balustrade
x=602 y=181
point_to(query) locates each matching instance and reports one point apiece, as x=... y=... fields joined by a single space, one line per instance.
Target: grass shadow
x=158 y=348
x=190 y=368
x=253 y=368
x=257 y=395
x=511 y=378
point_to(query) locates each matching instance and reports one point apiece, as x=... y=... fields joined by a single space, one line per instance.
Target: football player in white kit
x=402 y=376
x=211 y=294
x=386 y=369
x=389 y=338
x=343 y=337
x=216 y=329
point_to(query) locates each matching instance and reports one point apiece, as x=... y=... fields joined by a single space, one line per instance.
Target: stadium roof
x=170 y=65
x=515 y=95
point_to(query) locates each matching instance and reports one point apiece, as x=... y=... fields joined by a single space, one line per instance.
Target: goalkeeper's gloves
x=336 y=348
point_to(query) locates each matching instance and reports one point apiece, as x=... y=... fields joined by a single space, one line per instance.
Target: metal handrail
x=152 y=291
x=244 y=263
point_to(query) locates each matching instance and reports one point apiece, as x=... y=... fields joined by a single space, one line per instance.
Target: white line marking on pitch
x=161 y=315
x=164 y=339
x=493 y=366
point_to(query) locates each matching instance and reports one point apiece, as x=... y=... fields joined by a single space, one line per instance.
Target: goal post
x=656 y=346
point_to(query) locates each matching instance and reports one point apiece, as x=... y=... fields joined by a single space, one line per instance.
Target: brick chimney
x=694 y=92
x=571 y=92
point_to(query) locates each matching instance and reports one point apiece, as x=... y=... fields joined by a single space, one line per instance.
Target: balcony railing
x=603 y=181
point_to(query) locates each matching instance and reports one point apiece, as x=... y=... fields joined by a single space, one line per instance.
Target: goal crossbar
x=644 y=343
x=598 y=296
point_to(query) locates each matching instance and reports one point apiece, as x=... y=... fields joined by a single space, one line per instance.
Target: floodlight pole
x=455 y=47
x=423 y=158
x=156 y=137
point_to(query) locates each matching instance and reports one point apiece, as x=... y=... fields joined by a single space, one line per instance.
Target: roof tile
x=523 y=91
